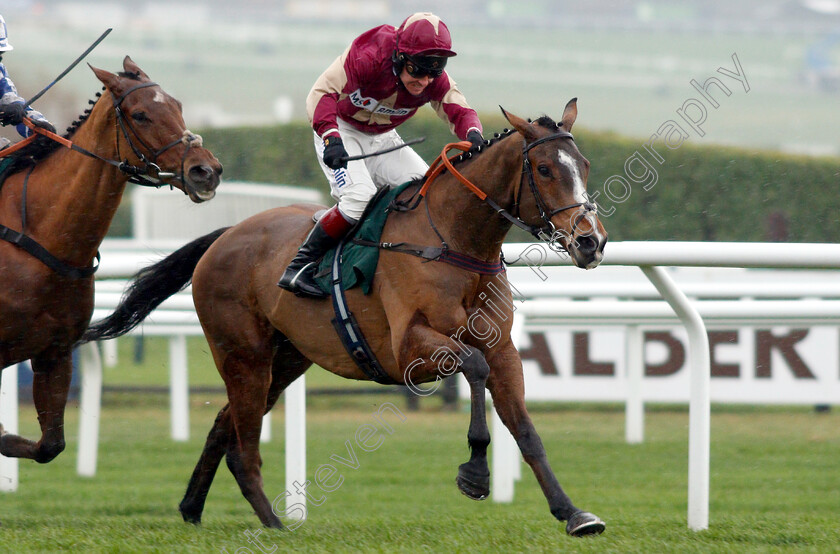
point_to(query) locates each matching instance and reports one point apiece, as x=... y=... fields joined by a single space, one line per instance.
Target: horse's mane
x=42 y=148
x=133 y=75
x=542 y=121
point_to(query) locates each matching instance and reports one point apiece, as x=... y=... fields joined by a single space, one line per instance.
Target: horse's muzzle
x=201 y=181
x=588 y=251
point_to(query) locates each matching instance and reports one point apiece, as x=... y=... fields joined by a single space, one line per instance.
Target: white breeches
x=354 y=186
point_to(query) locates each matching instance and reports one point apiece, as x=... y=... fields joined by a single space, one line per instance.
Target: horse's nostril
x=587 y=244
x=201 y=173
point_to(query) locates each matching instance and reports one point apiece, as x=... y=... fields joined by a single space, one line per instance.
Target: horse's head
x=555 y=172
x=153 y=138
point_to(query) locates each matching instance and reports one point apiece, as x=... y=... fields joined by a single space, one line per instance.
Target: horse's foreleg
x=426 y=353
x=474 y=476
x=507 y=388
x=50 y=385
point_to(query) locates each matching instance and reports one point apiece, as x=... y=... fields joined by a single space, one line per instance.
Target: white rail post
x=506 y=466
x=295 y=404
x=90 y=406
x=110 y=356
x=179 y=393
x=699 y=406
x=9 y=479
x=634 y=408
x=265 y=430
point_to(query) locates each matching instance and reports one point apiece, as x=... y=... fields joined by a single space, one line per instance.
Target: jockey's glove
x=12 y=113
x=334 y=152
x=44 y=124
x=476 y=139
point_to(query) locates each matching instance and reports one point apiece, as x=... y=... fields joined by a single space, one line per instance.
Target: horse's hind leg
x=192 y=505
x=474 y=476
x=287 y=365
x=507 y=387
x=50 y=385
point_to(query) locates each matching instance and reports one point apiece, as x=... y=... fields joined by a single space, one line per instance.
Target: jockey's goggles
x=421 y=66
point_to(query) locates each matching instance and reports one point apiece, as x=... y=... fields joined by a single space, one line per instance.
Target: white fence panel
x=160 y=216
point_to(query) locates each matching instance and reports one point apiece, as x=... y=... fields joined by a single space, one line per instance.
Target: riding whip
x=70 y=67
x=383 y=151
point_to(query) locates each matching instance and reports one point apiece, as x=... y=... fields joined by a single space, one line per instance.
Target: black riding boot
x=299 y=276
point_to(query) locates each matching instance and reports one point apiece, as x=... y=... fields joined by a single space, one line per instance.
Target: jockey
x=355 y=106
x=12 y=107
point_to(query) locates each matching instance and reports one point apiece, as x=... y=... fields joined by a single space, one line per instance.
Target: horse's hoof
x=272 y=522
x=581 y=524
x=473 y=485
x=195 y=519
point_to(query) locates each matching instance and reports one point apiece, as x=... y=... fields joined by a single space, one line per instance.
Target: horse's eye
x=544 y=170
x=139 y=117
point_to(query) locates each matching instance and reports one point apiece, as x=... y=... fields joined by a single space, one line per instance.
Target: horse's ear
x=130 y=67
x=520 y=125
x=569 y=115
x=108 y=79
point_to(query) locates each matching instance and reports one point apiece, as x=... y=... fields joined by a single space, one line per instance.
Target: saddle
x=360 y=251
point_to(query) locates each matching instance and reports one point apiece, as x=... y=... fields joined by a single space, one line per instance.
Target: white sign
x=780 y=365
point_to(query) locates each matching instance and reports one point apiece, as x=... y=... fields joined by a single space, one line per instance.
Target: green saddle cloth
x=5 y=164
x=358 y=262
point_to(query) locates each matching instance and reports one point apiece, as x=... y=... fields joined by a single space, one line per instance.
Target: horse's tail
x=151 y=286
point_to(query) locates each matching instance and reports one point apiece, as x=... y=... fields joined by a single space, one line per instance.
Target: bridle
x=540 y=232
x=149 y=173
x=142 y=175
x=546 y=232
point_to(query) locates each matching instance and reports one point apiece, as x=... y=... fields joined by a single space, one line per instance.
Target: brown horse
x=53 y=217
x=420 y=318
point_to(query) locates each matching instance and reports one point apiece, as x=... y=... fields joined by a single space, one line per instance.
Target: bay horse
x=54 y=214
x=262 y=338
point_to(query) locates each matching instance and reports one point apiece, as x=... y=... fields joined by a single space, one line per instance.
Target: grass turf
x=774 y=485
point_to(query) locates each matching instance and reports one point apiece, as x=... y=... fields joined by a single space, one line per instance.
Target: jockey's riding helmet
x=423 y=45
x=4 y=36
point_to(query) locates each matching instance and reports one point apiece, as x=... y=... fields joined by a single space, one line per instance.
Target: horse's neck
x=71 y=198
x=466 y=222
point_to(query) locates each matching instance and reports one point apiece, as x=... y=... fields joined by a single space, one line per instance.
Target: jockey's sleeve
x=322 y=101
x=9 y=95
x=452 y=107
x=8 y=92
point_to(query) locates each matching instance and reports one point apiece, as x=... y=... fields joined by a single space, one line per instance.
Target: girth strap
x=438 y=254
x=29 y=245
x=349 y=331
